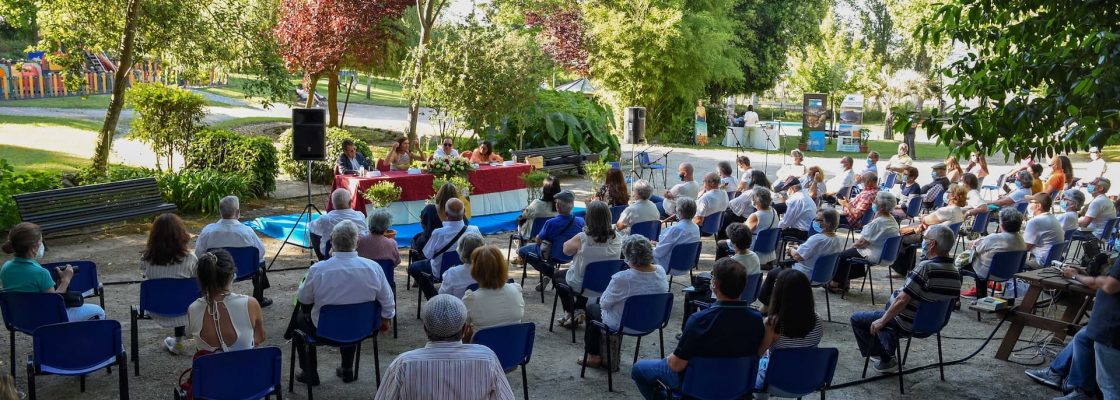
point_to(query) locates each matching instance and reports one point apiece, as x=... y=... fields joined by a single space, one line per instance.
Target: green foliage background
x=322 y=172
x=230 y=152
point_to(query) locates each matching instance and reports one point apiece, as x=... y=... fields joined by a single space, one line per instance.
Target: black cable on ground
x=925 y=367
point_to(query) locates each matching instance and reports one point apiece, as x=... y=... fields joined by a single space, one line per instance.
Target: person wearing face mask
x=1043 y=230
x=1036 y=175
x=23 y=273
x=937 y=187
x=1072 y=200
x=1013 y=175
x=977 y=165
x=870 y=244
x=1021 y=193
x=845 y=179
x=1097 y=166
x=804 y=258
x=951 y=213
x=901 y=160
x=983 y=249
x=761 y=219
x=1061 y=171
x=861 y=203
x=907 y=190
x=1099 y=212
x=688 y=188
x=872 y=162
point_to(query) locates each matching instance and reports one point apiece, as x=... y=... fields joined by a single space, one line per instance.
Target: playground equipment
x=35 y=77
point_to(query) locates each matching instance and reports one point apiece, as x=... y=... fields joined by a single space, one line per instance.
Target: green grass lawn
x=27 y=159
x=83 y=124
x=239 y=122
x=384 y=91
x=97 y=101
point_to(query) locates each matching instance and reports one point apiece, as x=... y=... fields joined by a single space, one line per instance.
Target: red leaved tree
x=320 y=37
x=562 y=37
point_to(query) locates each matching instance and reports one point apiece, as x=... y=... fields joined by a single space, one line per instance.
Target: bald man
x=687 y=188
x=444 y=239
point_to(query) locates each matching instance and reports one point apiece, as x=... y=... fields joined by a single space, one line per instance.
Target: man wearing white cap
x=446 y=368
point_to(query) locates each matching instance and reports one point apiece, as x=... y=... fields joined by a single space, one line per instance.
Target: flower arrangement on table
x=450 y=166
x=382 y=193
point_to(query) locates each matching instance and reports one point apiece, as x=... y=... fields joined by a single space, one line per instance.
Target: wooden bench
x=76 y=207
x=556 y=158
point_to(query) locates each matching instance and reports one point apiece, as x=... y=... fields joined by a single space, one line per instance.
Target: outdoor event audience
x=496 y=302
x=790 y=172
x=687 y=189
x=1072 y=201
x=985 y=248
x=744 y=165
x=841 y=182
x=869 y=246
x=762 y=219
x=167 y=255
x=23 y=273
x=220 y=319
x=432 y=216
x=712 y=200
x=1043 y=230
x=456 y=279
x=791 y=323
x=597 y=242
x=952 y=213
x=542 y=207
x=726 y=181
x=683 y=232
x=613 y=191
x=322 y=227
x=804 y=257
x=376 y=246
x=229 y=232
x=548 y=251
x=641 y=210
x=799 y=211
x=854 y=209
x=977 y=165
x=1100 y=210
x=443 y=240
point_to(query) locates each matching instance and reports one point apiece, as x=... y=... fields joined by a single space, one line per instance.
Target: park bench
x=556 y=158
x=81 y=206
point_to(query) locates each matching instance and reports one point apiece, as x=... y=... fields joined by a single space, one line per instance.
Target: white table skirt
x=408 y=212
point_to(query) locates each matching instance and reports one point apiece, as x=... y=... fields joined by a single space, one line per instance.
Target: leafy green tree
x=427 y=11
x=1038 y=77
x=766 y=31
x=167 y=118
x=835 y=64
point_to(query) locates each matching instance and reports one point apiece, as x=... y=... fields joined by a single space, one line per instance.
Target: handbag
x=73 y=299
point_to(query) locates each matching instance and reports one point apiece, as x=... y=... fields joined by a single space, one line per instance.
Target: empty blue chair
x=85 y=279
x=449 y=259
x=888 y=181
x=538 y=224
x=596 y=277
x=928 y=321
x=886 y=257
x=241 y=375
x=616 y=212
x=25 y=311
x=645 y=165
x=641 y=315
x=342 y=325
x=913 y=208
x=682 y=259
x=823 y=270
x=1022 y=207
x=801 y=371
x=1057 y=253
x=650 y=229
x=711 y=224
x=985 y=189
x=716 y=378
x=77 y=349
x=388 y=267
x=166 y=297
x=766 y=241
x=513 y=344
x=979 y=226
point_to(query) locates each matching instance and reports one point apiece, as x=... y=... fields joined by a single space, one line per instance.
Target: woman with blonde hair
x=814 y=185
x=953 y=170
x=496 y=302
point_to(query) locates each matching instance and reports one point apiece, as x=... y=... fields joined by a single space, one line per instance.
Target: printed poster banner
x=851 y=120
x=701 y=126
x=814 y=115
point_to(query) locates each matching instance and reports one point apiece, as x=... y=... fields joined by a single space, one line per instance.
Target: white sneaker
x=174 y=346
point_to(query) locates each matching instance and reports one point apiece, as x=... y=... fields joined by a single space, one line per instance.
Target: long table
x=1077 y=300
x=496 y=190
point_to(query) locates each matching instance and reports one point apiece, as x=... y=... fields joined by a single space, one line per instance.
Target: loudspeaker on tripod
x=309 y=134
x=635 y=130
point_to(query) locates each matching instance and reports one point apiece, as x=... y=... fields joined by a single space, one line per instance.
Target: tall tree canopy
x=766 y=31
x=1039 y=77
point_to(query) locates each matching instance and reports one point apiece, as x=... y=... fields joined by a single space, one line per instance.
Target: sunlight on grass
x=83 y=124
x=27 y=159
x=239 y=122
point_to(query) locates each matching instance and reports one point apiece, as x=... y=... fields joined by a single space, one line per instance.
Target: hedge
x=13 y=183
x=231 y=152
x=322 y=172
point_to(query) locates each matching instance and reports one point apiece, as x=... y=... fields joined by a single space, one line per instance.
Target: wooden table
x=1077 y=300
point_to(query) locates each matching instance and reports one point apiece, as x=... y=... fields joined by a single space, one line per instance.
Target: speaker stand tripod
x=306 y=211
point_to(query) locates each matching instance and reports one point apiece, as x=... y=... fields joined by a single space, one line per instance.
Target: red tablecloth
x=485 y=179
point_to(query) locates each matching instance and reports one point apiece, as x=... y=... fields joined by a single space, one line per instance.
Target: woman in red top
x=485 y=154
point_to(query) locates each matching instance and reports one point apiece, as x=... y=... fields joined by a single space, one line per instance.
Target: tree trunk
x=332 y=98
x=312 y=81
x=417 y=79
x=120 y=81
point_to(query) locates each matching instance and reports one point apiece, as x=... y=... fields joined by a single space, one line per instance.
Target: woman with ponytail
x=23 y=273
x=223 y=320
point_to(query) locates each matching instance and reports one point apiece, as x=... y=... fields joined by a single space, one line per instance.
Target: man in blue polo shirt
x=729 y=329
x=556 y=231
x=1104 y=327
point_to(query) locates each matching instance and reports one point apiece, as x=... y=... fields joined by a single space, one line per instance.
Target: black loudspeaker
x=309 y=134
x=635 y=131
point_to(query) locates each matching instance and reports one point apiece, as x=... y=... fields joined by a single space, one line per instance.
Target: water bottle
x=514 y=155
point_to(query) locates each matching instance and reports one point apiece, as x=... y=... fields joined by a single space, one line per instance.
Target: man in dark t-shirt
x=1104 y=327
x=729 y=329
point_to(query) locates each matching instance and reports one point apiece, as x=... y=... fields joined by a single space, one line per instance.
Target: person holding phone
x=23 y=273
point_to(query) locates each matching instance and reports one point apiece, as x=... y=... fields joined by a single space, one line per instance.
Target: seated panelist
x=350 y=161
x=485 y=154
x=445 y=150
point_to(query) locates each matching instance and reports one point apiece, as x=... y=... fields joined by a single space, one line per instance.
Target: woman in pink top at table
x=485 y=154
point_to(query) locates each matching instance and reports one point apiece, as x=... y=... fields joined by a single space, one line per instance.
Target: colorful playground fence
x=33 y=83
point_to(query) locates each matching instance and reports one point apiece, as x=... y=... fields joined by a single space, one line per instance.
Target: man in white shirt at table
x=641 y=210
x=712 y=201
x=445 y=150
x=229 y=232
x=683 y=232
x=322 y=227
x=688 y=188
x=445 y=368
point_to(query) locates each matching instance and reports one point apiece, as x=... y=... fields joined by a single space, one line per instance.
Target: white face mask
x=39 y=253
x=1094 y=156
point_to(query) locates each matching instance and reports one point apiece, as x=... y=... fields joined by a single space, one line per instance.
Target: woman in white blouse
x=795 y=170
x=496 y=302
x=597 y=242
x=870 y=244
x=643 y=277
x=167 y=255
x=220 y=319
x=457 y=278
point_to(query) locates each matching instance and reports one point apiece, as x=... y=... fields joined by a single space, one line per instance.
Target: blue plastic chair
x=682 y=259
x=711 y=224
x=985 y=189
x=77 y=349
x=449 y=259
x=26 y=311
x=513 y=344
x=766 y=241
x=1057 y=252
x=930 y=318
x=888 y=181
x=247 y=260
x=388 y=267
x=716 y=378
x=596 y=276
x=616 y=212
x=801 y=371
x=864 y=219
x=914 y=208
x=645 y=165
x=1106 y=234
x=979 y=226
x=640 y=317
x=886 y=257
x=823 y=270
x=1004 y=266
x=750 y=293
x=1022 y=207
x=650 y=229
x=85 y=279
x=342 y=325
x=166 y=297
x=242 y=375
x=538 y=224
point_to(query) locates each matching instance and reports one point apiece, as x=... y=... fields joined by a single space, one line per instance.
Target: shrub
x=90 y=176
x=200 y=190
x=322 y=172
x=13 y=183
x=461 y=183
x=230 y=152
x=558 y=118
x=167 y=118
x=383 y=193
x=717 y=122
x=597 y=171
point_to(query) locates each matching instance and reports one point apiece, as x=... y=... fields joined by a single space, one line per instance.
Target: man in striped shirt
x=446 y=368
x=935 y=279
